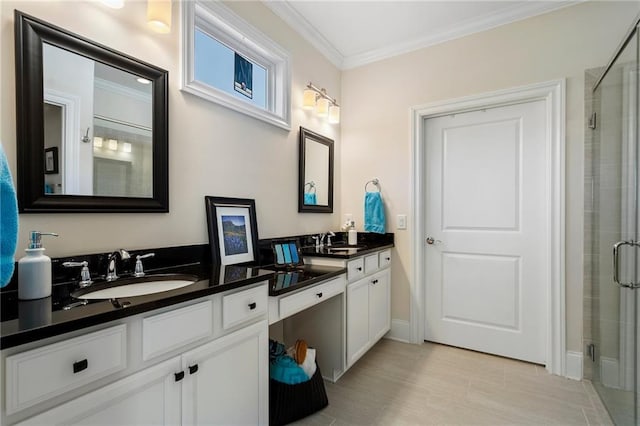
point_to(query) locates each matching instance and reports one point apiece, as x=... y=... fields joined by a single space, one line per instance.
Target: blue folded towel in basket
x=374 y=219
x=8 y=221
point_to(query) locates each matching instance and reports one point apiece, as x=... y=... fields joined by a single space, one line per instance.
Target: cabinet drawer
x=244 y=306
x=371 y=263
x=39 y=374
x=384 y=259
x=165 y=332
x=290 y=305
x=355 y=269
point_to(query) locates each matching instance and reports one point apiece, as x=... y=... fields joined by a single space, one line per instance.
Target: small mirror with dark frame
x=315 y=181
x=104 y=112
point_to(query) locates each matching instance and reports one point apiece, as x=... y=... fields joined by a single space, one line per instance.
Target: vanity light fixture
x=113 y=144
x=126 y=147
x=324 y=105
x=159 y=15
x=97 y=142
x=334 y=114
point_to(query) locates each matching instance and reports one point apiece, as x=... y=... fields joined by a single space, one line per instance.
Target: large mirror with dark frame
x=92 y=125
x=315 y=182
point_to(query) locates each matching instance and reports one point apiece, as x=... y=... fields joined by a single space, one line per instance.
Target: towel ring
x=312 y=185
x=375 y=182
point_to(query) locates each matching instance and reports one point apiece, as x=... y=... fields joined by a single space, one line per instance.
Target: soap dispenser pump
x=34 y=269
x=352 y=235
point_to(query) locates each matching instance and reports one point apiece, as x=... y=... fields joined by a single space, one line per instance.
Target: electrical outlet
x=401 y=221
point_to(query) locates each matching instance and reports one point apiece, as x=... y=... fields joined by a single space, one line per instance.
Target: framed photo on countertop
x=233 y=230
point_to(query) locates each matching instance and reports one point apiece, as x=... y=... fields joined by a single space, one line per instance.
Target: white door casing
x=485 y=202
x=553 y=95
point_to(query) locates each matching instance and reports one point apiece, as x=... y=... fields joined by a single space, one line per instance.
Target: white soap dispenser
x=352 y=234
x=34 y=270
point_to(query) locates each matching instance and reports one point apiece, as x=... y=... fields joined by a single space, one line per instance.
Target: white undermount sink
x=131 y=287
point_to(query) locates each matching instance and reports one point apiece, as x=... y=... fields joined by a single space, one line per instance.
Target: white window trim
x=227 y=27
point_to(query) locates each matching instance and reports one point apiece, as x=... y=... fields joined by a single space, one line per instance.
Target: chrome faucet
x=139 y=271
x=319 y=239
x=111 y=263
x=329 y=235
x=85 y=275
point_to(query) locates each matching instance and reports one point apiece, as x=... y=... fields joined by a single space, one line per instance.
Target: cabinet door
x=227 y=380
x=357 y=320
x=150 y=397
x=379 y=305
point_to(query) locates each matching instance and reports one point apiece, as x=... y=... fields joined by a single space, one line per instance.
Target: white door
x=486 y=206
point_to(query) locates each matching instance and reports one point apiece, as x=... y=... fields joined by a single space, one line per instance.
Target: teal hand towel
x=8 y=221
x=374 y=219
x=310 y=199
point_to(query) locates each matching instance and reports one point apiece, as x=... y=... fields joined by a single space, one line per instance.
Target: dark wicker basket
x=288 y=403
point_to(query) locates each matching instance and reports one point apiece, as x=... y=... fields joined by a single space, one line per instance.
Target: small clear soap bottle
x=34 y=269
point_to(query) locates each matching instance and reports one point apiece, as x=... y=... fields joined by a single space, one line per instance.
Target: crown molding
x=292 y=17
x=300 y=24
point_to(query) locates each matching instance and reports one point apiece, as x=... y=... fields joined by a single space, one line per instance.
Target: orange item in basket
x=301 y=351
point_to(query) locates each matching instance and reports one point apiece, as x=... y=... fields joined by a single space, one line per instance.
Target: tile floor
x=401 y=384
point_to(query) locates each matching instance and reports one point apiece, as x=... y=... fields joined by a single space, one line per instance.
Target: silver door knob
x=431 y=241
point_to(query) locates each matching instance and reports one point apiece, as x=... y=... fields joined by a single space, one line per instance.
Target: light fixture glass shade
x=322 y=107
x=334 y=114
x=97 y=141
x=159 y=15
x=126 y=147
x=308 y=99
x=113 y=144
x=114 y=4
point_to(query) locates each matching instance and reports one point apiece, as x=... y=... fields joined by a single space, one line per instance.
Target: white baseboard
x=610 y=372
x=573 y=364
x=400 y=331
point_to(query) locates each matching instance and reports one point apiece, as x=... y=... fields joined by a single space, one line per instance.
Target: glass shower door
x=616 y=236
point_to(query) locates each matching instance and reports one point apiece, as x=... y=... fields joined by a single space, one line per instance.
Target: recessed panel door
x=487 y=242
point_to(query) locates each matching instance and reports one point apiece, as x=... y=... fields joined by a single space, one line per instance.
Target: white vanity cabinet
x=368 y=300
x=219 y=374
x=151 y=396
x=368 y=313
x=227 y=381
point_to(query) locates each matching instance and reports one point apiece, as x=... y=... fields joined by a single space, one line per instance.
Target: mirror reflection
x=97 y=128
x=316 y=176
x=316 y=173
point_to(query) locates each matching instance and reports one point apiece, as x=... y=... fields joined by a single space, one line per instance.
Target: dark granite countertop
x=344 y=251
x=288 y=280
x=27 y=321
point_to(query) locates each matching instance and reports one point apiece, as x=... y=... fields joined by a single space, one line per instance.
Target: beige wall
x=213 y=150
x=377 y=97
